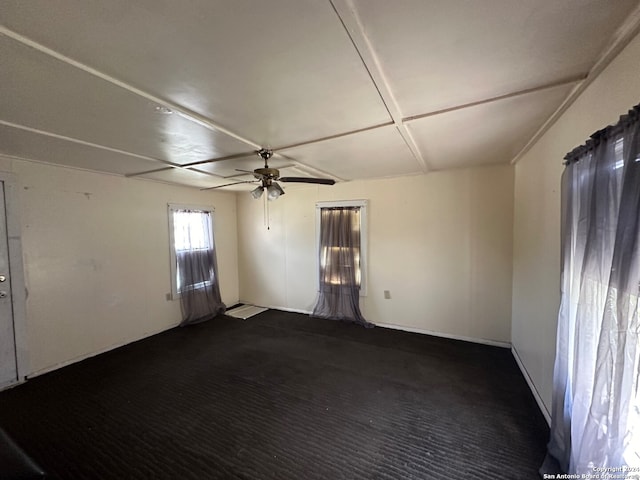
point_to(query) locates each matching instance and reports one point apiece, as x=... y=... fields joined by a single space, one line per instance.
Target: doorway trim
x=19 y=287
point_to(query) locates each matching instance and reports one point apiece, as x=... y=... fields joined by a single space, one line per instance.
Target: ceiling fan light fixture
x=257 y=193
x=274 y=191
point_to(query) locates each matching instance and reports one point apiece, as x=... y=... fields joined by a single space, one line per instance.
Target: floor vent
x=245 y=311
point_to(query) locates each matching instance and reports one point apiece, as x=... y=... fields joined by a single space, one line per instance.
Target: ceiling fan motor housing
x=266 y=173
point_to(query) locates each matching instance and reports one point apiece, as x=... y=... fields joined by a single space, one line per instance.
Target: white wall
x=441 y=243
x=536 y=264
x=96 y=253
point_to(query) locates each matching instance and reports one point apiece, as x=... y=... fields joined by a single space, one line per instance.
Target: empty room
x=319 y=239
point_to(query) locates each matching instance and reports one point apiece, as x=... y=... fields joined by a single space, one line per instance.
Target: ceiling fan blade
x=259 y=176
x=321 y=181
x=229 y=184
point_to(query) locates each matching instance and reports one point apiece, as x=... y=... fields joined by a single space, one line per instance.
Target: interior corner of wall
x=536 y=394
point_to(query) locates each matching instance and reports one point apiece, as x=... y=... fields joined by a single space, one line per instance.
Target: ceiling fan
x=267 y=178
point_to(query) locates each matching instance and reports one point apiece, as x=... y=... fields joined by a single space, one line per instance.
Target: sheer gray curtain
x=196 y=266
x=340 y=272
x=596 y=401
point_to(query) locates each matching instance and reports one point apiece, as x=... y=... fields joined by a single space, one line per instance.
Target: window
x=336 y=258
x=596 y=404
x=191 y=240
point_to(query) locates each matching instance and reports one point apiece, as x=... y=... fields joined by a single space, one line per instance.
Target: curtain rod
x=631 y=117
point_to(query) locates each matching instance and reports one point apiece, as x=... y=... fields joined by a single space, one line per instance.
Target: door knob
x=2 y=278
x=3 y=294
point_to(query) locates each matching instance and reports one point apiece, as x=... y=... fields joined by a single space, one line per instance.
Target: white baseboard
x=532 y=387
x=79 y=358
x=10 y=385
x=494 y=343
x=483 y=341
x=293 y=310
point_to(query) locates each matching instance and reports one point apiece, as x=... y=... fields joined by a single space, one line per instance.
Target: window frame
x=364 y=238
x=171 y=209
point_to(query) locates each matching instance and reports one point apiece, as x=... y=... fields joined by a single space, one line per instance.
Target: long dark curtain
x=596 y=401
x=197 y=269
x=340 y=267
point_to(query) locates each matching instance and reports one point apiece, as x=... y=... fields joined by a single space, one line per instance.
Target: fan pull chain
x=266 y=201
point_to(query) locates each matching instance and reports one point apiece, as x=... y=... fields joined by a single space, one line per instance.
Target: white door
x=8 y=360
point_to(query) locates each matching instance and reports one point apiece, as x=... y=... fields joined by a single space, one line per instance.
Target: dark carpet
x=282 y=396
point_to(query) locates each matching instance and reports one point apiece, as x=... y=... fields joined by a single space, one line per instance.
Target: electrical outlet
x=387 y=294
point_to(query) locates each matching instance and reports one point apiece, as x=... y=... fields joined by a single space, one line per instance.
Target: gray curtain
x=340 y=249
x=596 y=401
x=197 y=269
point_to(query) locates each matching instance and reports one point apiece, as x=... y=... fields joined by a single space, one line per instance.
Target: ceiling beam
x=193 y=170
x=348 y=16
x=318 y=172
x=296 y=163
x=239 y=175
x=169 y=165
x=404 y=120
x=88 y=144
x=191 y=167
x=351 y=22
x=410 y=119
x=620 y=39
x=332 y=137
x=178 y=109
x=518 y=93
x=155 y=170
x=174 y=107
x=220 y=159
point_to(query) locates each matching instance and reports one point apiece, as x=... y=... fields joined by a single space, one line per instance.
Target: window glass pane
x=191 y=230
x=339 y=263
x=193 y=244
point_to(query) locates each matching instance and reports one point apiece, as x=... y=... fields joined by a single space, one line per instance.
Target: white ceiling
x=344 y=88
